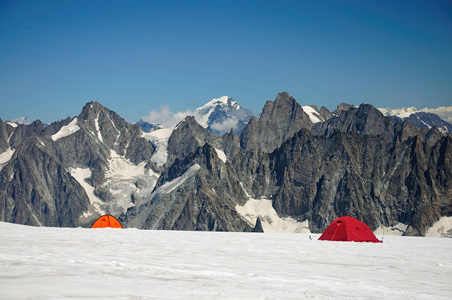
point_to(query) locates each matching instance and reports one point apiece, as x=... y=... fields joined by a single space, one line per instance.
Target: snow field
x=59 y=263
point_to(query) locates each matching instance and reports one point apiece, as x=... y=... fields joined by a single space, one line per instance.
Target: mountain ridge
x=353 y=161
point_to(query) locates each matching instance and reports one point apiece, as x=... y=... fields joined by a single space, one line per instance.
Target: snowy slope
x=62 y=263
x=313 y=114
x=5 y=157
x=67 y=130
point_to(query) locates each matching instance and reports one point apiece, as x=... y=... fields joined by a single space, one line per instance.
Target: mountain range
x=293 y=169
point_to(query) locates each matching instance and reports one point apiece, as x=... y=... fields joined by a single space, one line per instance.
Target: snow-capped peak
x=21 y=121
x=402 y=113
x=225 y=102
x=221 y=114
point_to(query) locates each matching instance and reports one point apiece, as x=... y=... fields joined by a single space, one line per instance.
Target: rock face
x=354 y=161
x=280 y=120
x=41 y=183
x=429 y=120
x=365 y=177
x=197 y=193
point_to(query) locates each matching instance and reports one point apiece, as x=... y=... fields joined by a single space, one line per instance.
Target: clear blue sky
x=133 y=56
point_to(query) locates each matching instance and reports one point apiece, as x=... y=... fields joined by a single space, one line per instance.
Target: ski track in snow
x=62 y=263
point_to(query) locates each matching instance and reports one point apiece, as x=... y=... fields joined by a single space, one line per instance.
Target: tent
x=350 y=230
x=107 y=221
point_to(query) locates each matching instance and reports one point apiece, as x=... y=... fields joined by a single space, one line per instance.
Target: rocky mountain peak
x=279 y=120
x=187 y=137
x=91 y=110
x=342 y=107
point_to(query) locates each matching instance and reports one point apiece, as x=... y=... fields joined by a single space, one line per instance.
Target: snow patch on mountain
x=66 y=130
x=398 y=229
x=313 y=114
x=99 y=134
x=170 y=186
x=270 y=220
x=12 y=124
x=97 y=205
x=159 y=138
x=221 y=155
x=122 y=179
x=5 y=157
x=442 y=228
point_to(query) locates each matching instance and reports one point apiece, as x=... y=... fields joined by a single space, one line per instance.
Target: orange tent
x=107 y=221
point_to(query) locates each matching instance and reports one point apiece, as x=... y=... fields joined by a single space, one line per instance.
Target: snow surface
x=313 y=114
x=66 y=130
x=270 y=220
x=11 y=124
x=64 y=263
x=5 y=157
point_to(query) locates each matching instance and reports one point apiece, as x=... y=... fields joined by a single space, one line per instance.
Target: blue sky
x=134 y=56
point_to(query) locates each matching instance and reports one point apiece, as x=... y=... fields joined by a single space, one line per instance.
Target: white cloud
x=165 y=117
x=225 y=126
x=444 y=112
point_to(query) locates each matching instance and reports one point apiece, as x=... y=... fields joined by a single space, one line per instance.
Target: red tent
x=107 y=221
x=348 y=229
